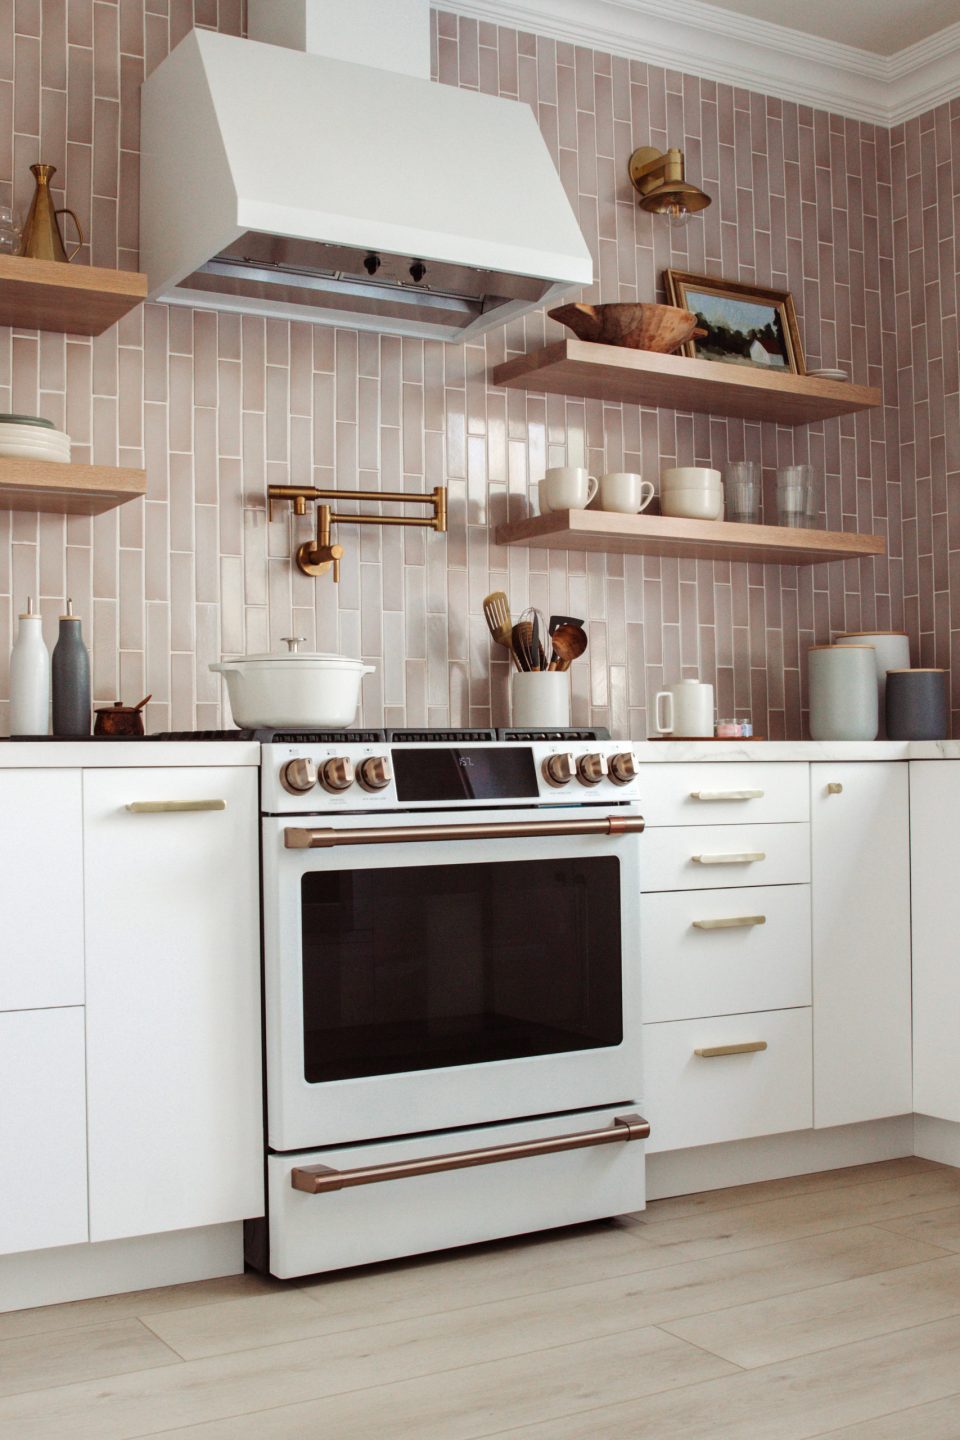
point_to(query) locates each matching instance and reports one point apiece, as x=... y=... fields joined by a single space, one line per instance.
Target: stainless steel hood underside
x=294 y=185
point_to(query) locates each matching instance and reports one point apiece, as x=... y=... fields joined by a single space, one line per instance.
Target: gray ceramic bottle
x=70 y=675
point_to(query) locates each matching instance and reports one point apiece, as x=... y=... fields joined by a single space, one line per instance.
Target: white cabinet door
x=861 y=942
x=934 y=827
x=41 y=889
x=43 y=1137
x=173 y=999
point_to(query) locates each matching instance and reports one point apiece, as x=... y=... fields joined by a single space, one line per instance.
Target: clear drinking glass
x=796 y=493
x=742 y=489
x=9 y=232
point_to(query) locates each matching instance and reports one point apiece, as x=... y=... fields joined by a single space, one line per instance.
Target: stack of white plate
x=29 y=437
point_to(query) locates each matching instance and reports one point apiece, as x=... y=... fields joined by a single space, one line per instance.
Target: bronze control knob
x=374 y=773
x=298 y=776
x=559 y=770
x=337 y=774
x=591 y=769
x=623 y=768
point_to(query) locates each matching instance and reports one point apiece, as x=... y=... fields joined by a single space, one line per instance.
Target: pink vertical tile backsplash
x=857 y=221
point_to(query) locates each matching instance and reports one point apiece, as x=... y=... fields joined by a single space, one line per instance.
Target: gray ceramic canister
x=70 y=677
x=917 y=706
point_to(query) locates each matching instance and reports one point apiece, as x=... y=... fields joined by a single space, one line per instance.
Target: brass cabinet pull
x=297 y=839
x=315 y=1179
x=749 y=1047
x=730 y=922
x=748 y=857
x=835 y=788
x=727 y=794
x=170 y=807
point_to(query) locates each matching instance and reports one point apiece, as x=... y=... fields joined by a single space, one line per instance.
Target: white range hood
x=303 y=186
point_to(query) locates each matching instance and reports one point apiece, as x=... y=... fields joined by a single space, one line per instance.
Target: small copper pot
x=119 y=719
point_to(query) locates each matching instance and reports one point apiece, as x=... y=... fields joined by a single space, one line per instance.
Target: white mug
x=566 y=487
x=688 y=708
x=624 y=492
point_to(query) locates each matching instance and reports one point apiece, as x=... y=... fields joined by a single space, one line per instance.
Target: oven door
x=426 y=983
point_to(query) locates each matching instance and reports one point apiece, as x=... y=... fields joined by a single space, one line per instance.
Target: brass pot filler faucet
x=315 y=557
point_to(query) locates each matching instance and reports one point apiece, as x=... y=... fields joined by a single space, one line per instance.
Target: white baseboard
x=772 y=1157
x=936 y=1139
x=79 y=1272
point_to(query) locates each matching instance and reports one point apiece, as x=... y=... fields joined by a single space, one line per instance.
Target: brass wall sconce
x=658 y=179
x=315 y=557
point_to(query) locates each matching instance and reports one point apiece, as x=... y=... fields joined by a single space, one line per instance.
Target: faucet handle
x=336 y=555
x=293 y=642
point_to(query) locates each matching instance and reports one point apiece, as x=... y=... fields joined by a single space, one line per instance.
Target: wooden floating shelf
x=66 y=489
x=75 y=299
x=686 y=539
x=675 y=382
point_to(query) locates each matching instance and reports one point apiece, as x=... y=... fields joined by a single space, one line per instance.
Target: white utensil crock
x=892 y=648
x=843 y=692
x=687 y=707
x=312 y=691
x=540 y=699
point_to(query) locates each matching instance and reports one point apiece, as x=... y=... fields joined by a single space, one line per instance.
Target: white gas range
x=451 y=981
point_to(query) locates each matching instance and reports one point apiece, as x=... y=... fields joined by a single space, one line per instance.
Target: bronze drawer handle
x=173 y=807
x=316 y=1179
x=298 y=839
x=748 y=1047
x=749 y=857
x=730 y=922
x=727 y=794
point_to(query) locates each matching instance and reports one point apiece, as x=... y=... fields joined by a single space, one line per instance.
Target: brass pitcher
x=42 y=239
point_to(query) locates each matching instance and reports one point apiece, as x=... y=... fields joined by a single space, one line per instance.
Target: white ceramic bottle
x=29 y=677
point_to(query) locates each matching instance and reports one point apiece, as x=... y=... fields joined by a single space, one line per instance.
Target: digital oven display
x=508 y=774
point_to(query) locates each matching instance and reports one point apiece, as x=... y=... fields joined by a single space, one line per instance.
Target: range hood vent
x=295 y=185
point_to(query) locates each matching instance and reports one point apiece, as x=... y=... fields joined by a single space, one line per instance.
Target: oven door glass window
x=418 y=968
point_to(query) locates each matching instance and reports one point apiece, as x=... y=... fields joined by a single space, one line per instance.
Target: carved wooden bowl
x=662 y=328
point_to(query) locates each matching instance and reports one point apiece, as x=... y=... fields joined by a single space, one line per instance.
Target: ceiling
x=880 y=26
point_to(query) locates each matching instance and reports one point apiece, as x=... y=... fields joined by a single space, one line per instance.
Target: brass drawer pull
x=730 y=922
x=297 y=839
x=727 y=794
x=749 y=1047
x=748 y=857
x=835 y=788
x=316 y=1179
x=172 y=807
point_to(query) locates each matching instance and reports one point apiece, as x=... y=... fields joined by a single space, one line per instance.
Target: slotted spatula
x=496 y=612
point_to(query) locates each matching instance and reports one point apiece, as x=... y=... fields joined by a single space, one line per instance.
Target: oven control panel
x=318 y=778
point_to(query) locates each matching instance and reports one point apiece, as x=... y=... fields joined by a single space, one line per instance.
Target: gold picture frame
x=737 y=333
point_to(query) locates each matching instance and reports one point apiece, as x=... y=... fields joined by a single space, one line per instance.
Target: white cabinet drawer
x=724 y=794
x=310 y=1233
x=720 y=952
x=693 y=857
x=700 y=1100
x=43 y=1130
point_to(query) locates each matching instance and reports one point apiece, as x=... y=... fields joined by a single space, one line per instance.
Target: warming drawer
x=601 y=1174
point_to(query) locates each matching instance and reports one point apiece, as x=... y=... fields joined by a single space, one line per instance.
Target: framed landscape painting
x=745 y=324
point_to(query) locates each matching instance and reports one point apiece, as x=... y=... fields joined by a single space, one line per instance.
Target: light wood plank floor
x=825 y=1305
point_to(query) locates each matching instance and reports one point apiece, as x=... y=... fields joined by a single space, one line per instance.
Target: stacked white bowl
x=30 y=437
x=693 y=492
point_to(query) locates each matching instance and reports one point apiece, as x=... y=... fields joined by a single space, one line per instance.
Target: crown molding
x=733 y=49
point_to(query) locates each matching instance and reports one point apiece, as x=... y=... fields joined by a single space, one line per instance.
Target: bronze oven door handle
x=295 y=838
x=317 y=1179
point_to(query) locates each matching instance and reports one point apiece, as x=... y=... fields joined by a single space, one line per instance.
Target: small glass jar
x=746 y=729
x=728 y=730
x=9 y=232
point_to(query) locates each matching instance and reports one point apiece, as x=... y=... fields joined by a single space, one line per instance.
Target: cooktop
x=344 y=737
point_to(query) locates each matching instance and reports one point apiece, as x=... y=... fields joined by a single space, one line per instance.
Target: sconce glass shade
x=659 y=181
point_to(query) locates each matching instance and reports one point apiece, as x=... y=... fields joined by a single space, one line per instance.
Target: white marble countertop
x=650 y=751
x=106 y=754
x=126 y=754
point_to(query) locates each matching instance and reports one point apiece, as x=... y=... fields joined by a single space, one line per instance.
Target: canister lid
x=915 y=669
x=840 y=647
x=852 y=634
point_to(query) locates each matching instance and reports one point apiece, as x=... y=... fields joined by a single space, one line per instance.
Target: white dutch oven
x=312 y=691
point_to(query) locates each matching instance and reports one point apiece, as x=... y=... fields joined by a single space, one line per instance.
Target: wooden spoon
x=569 y=642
